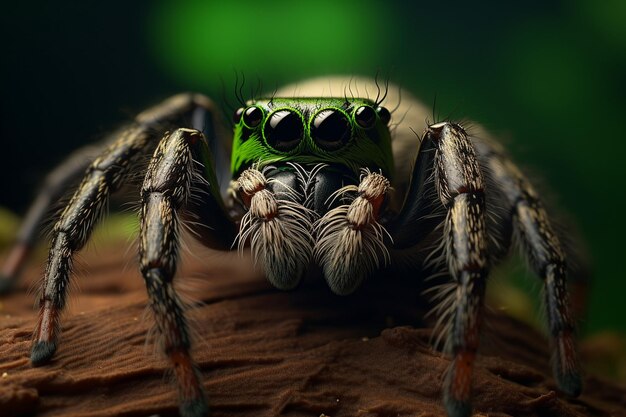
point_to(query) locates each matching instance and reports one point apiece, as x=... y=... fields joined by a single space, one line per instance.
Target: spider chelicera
x=312 y=177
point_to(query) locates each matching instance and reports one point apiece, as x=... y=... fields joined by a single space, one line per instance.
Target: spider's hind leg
x=73 y=228
x=53 y=189
x=546 y=256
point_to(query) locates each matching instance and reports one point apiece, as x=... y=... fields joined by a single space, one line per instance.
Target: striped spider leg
x=450 y=173
x=182 y=162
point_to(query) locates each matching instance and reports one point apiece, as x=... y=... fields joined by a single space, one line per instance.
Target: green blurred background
x=548 y=77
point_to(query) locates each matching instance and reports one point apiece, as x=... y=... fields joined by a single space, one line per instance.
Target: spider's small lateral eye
x=331 y=129
x=283 y=130
x=237 y=115
x=252 y=117
x=365 y=117
x=384 y=114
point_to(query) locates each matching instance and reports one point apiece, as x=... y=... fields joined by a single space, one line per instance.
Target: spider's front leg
x=460 y=186
x=105 y=175
x=166 y=190
x=113 y=159
x=448 y=161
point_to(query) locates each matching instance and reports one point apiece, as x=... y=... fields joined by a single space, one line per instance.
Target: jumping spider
x=311 y=180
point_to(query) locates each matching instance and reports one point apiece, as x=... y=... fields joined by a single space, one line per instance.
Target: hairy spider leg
x=172 y=175
x=179 y=109
x=106 y=174
x=460 y=186
x=541 y=246
x=74 y=227
x=54 y=188
x=522 y=209
x=447 y=187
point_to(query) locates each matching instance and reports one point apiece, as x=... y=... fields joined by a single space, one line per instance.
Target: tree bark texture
x=263 y=352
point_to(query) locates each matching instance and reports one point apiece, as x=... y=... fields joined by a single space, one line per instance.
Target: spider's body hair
x=350 y=241
x=284 y=232
x=348 y=254
x=278 y=230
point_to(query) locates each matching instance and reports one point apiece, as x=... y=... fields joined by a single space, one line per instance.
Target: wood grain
x=268 y=353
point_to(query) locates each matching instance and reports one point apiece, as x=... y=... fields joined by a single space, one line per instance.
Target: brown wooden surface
x=265 y=353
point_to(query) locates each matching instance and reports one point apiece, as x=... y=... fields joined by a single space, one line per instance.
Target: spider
x=311 y=185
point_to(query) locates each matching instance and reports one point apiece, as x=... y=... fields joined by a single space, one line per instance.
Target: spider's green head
x=349 y=132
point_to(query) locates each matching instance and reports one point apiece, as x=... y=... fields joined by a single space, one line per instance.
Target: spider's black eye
x=330 y=129
x=365 y=116
x=384 y=114
x=237 y=115
x=283 y=130
x=252 y=117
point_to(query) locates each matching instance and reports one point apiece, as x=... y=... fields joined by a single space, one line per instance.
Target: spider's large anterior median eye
x=252 y=116
x=283 y=130
x=330 y=129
